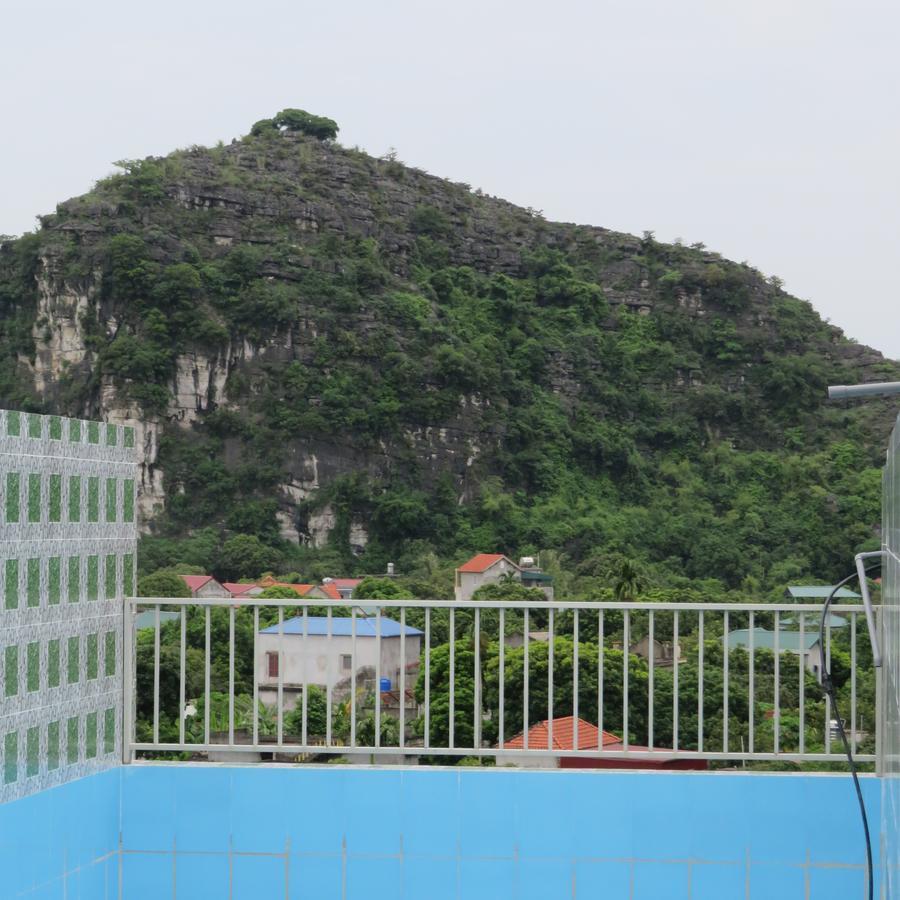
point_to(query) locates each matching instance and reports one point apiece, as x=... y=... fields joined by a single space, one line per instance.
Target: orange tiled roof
x=195 y=582
x=563 y=736
x=481 y=562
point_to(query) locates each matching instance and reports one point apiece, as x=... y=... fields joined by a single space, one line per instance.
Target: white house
x=487 y=568
x=326 y=660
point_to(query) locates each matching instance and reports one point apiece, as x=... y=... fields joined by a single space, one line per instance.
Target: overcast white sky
x=768 y=129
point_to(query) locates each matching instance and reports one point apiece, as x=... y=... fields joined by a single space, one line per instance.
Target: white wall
x=320 y=661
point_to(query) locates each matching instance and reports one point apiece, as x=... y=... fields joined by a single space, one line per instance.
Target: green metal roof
x=819 y=592
x=763 y=639
x=540 y=577
x=811 y=621
x=147 y=619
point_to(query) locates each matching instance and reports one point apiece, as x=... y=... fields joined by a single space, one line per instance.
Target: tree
x=306 y=123
x=163 y=584
x=245 y=556
x=371 y=588
x=629 y=581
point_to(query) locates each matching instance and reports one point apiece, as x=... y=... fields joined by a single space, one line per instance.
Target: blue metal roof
x=341 y=626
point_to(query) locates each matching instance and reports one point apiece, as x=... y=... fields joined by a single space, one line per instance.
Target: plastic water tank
x=384 y=684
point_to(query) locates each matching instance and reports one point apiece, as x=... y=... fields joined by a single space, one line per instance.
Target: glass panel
x=109 y=731
x=55 y=428
x=111 y=435
x=13 y=424
x=128 y=574
x=93 y=432
x=75 y=430
x=128 y=500
x=129 y=436
x=34 y=425
x=109 y=580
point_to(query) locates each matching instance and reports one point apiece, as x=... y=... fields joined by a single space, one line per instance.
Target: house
x=327 y=660
x=589 y=738
x=489 y=568
x=205 y=586
x=663 y=652
x=243 y=591
x=308 y=591
x=788 y=642
x=344 y=586
x=818 y=593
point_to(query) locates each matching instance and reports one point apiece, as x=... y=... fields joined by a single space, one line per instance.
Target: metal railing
x=373 y=679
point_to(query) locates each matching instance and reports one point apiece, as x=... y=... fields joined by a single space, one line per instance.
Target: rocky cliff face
x=304 y=315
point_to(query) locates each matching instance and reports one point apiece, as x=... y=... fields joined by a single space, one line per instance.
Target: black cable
x=828 y=687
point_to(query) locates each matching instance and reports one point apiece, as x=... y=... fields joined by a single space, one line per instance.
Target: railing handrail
x=637 y=605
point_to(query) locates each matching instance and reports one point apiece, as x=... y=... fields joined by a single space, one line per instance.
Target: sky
x=768 y=130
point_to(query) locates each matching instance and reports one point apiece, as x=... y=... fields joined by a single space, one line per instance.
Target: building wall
x=212 y=589
x=480 y=834
x=67 y=542
x=320 y=662
x=469 y=582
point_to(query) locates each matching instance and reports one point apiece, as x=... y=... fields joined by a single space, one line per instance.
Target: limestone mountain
x=346 y=355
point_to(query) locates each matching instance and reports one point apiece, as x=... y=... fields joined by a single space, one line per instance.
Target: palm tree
x=629 y=581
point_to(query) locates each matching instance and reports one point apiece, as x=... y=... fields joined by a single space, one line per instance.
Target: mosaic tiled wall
x=67 y=557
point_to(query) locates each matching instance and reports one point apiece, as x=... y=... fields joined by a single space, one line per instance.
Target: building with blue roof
x=327 y=651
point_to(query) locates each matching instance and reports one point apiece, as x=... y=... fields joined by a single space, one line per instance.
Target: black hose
x=828 y=687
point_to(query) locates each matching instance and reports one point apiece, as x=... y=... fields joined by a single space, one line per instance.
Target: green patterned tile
x=109 y=731
x=55 y=428
x=128 y=574
x=109 y=579
x=111 y=499
x=32 y=751
x=112 y=435
x=128 y=437
x=34 y=498
x=11 y=591
x=75 y=431
x=11 y=758
x=13 y=500
x=109 y=654
x=33 y=582
x=74 y=663
x=54 y=580
x=53 y=662
x=72 y=740
x=11 y=671
x=90 y=735
x=74 y=566
x=55 y=498
x=52 y=746
x=93 y=578
x=128 y=500
x=13 y=423
x=34 y=425
x=93 y=499
x=93 y=432
x=74 y=498
x=33 y=667
x=93 y=656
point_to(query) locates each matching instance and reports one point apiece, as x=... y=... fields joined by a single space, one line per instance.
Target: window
x=346 y=662
x=272 y=663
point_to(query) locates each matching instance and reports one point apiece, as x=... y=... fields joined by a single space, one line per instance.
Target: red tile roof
x=563 y=736
x=195 y=582
x=345 y=582
x=481 y=562
x=234 y=588
x=330 y=588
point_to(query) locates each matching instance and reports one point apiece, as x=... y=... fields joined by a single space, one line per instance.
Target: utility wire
x=828 y=687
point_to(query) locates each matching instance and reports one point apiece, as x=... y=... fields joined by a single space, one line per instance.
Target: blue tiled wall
x=62 y=843
x=197 y=832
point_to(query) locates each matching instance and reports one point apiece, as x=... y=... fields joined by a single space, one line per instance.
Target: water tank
x=390 y=568
x=384 y=684
x=327 y=580
x=526 y=562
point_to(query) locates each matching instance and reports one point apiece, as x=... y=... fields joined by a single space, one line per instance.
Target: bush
x=163 y=584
